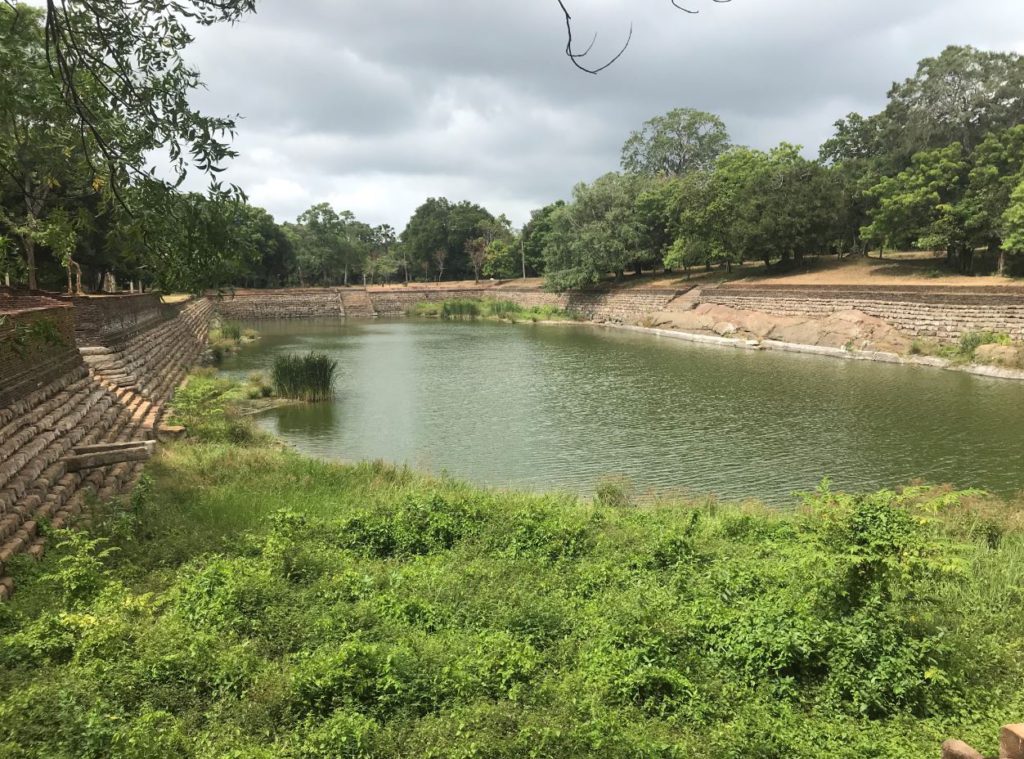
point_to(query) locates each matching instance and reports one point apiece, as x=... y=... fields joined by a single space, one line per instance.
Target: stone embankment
x=615 y=305
x=842 y=321
x=852 y=330
x=110 y=391
x=943 y=314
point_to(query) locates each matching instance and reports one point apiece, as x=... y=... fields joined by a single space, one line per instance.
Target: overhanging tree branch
x=577 y=57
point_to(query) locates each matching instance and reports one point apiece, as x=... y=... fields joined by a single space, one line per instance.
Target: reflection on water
x=562 y=407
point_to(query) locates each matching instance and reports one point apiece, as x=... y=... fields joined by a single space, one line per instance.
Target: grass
x=487 y=308
x=965 y=350
x=308 y=377
x=250 y=602
x=226 y=338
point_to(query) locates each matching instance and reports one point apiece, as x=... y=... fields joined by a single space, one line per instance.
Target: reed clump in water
x=308 y=377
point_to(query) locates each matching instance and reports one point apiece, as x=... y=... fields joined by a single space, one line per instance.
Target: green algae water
x=561 y=407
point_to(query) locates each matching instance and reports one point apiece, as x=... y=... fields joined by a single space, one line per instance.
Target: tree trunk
x=30 y=262
x=638 y=269
x=346 y=275
x=1001 y=269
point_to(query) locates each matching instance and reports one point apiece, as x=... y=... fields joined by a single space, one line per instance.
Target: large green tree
x=597 y=234
x=435 y=239
x=681 y=141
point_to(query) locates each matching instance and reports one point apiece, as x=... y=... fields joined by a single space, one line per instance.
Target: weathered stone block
x=1011 y=742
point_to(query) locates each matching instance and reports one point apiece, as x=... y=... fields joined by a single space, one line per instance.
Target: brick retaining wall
x=939 y=313
x=111 y=319
x=120 y=397
x=292 y=303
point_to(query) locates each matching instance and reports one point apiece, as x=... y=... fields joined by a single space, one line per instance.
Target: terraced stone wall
x=117 y=394
x=938 y=313
x=615 y=305
x=395 y=303
x=291 y=303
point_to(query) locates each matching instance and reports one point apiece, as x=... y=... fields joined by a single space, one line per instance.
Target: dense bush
x=262 y=604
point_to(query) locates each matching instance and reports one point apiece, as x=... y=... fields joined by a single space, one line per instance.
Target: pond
x=561 y=407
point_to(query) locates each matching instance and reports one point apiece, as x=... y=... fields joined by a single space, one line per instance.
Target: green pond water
x=561 y=407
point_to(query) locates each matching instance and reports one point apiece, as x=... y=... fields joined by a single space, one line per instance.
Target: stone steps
x=357 y=304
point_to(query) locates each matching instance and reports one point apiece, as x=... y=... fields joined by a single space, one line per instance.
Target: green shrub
x=971 y=341
x=304 y=378
x=231 y=331
x=461 y=308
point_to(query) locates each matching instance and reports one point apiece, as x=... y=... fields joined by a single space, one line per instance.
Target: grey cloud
x=372 y=103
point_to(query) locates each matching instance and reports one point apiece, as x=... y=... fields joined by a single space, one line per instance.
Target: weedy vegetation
x=247 y=601
x=487 y=308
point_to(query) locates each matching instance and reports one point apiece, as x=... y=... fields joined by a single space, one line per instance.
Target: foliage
x=597 y=234
x=269 y=605
x=435 y=239
x=486 y=308
x=22 y=335
x=682 y=141
x=308 y=377
x=206 y=407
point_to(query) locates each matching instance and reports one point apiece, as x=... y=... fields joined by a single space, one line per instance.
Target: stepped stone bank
x=940 y=313
x=84 y=381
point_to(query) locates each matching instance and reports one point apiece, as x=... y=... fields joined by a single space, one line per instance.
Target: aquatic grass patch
x=485 y=308
x=308 y=377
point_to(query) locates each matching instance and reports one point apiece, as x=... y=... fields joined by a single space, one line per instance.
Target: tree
x=997 y=170
x=44 y=168
x=130 y=53
x=1013 y=222
x=440 y=224
x=535 y=237
x=681 y=141
x=598 y=233
x=922 y=206
x=476 y=250
x=961 y=95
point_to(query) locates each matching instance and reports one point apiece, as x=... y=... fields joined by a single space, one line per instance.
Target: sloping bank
x=251 y=602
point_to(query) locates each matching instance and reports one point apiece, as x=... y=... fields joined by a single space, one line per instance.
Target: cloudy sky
x=374 y=106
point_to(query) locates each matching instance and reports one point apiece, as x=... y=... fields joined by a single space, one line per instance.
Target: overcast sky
x=375 y=106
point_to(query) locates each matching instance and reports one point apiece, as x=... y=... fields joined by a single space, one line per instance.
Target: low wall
x=37 y=344
x=112 y=319
x=292 y=303
x=939 y=313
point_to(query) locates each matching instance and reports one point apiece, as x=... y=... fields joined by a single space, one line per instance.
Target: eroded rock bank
x=850 y=329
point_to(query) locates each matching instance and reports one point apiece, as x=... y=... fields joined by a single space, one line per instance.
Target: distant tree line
x=941 y=168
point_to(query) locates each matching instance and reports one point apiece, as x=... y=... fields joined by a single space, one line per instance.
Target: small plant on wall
x=23 y=336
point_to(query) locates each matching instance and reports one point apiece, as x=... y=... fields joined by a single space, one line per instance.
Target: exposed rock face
x=852 y=329
x=999 y=355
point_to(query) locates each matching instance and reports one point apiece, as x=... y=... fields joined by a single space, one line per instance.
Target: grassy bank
x=249 y=602
x=486 y=308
